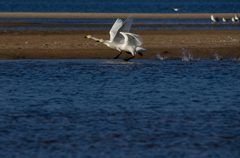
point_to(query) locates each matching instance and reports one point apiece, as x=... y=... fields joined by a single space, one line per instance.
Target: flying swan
x=115 y=36
x=119 y=41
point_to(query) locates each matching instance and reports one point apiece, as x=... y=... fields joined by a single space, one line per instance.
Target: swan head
x=88 y=36
x=101 y=40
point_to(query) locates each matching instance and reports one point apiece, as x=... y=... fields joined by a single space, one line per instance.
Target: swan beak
x=86 y=37
x=98 y=41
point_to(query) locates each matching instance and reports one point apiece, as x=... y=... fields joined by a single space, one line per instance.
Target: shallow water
x=111 y=21
x=112 y=108
x=108 y=28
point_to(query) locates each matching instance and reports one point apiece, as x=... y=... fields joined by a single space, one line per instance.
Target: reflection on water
x=110 y=108
x=121 y=62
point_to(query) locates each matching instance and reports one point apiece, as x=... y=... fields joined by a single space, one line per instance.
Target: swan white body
x=224 y=20
x=132 y=43
x=214 y=19
x=233 y=20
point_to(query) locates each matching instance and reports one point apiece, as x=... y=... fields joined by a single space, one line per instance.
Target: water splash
x=185 y=58
x=189 y=58
x=217 y=57
x=160 y=57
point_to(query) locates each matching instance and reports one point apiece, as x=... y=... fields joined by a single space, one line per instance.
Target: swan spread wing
x=125 y=27
x=132 y=39
x=114 y=30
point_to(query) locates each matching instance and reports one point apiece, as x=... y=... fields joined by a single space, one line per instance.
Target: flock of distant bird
x=234 y=19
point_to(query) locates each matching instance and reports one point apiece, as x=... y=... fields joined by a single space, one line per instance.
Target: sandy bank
x=71 y=44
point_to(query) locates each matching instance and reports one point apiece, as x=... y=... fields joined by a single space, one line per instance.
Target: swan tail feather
x=140 y=49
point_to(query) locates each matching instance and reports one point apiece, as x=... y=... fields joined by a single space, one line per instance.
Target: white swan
x=115 y=37
x=214 y=19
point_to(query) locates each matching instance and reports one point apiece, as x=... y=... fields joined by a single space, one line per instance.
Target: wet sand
x=113 y=15
x=71 y=44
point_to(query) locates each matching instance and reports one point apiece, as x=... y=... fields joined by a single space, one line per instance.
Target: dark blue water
x=123 y=6
x=107 y=108
x=103 y=28
x=111 y=21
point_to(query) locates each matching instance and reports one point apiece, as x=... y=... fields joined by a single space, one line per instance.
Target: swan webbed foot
x=118 y=55
x=141 y=54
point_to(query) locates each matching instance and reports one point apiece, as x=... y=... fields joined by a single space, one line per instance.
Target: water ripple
x=110 y=108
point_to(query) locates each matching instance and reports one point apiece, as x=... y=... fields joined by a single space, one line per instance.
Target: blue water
x=111 y=108
x=108 y=28
x=111 y=21
x=123 y=6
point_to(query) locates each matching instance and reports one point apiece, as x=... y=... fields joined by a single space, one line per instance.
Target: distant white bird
x=214 y=19
x=233 y=19
x=116 y=37
x=175 y=9
x=224 y=20
x=236 y=17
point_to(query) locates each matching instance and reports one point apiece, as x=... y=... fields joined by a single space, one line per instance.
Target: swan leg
x=129 y=58
x=129 y=53
x=140 y=54
x=118 y=55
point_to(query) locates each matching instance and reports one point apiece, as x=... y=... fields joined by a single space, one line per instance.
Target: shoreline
x=71 y=44
x=115 y=15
